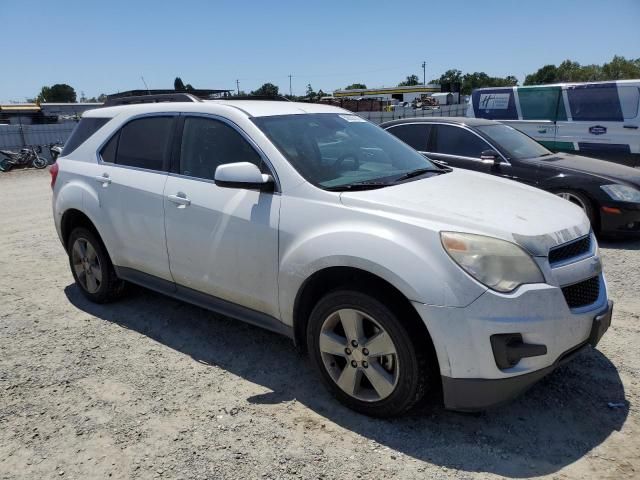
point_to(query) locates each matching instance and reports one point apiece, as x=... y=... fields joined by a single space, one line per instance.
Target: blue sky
x=104 y=46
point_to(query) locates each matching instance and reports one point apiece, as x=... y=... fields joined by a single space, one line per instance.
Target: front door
x=221 y=241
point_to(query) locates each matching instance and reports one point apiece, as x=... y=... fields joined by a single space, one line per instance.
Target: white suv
x=399 y=277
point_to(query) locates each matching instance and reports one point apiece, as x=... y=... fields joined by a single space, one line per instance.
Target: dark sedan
x=609 y=193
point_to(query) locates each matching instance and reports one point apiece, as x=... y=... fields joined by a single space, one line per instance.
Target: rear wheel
x=92 y=268
x=5 y=165
x=365 y=355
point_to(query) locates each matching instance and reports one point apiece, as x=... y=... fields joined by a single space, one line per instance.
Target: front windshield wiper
x=417 y=172
x=358 y=186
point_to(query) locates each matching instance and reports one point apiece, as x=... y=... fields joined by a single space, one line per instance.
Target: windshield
x=334 y=150
x=517 y=145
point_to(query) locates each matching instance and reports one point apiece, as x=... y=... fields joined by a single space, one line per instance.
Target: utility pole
x=238 y=86
x=424 y=73
x=290 y=92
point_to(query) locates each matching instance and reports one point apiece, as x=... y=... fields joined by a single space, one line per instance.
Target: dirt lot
x=154 y=388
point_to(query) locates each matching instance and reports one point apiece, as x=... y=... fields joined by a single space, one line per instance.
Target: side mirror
x=490 y=156
x=243 y=175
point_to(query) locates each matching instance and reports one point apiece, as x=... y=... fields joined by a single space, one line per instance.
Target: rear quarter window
x=595 y=102
x=87 y=127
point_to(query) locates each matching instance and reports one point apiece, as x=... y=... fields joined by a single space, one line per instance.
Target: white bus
x=598 y=119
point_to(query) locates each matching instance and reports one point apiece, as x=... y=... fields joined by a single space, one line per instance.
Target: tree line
x=619 y=68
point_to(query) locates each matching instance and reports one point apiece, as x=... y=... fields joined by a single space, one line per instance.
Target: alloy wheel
x=359 y=355
x=86 y=265
x=573 y=199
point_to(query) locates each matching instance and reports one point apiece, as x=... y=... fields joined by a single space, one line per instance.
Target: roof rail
x=157 y=98
x=274 y=98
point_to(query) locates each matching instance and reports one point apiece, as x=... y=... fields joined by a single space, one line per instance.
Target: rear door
x=132 y=175
x=221 y=241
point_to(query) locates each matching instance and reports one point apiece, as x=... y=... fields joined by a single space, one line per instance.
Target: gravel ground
x=153 y=388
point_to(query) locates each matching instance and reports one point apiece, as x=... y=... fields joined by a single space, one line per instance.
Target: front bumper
x=620 y=218
x=472 y=394
x=471 y=378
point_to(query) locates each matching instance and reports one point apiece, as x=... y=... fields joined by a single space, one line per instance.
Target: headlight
x=622 y=193
x=500 y=265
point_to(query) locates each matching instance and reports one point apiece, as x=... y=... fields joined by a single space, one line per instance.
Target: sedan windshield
x=517 y=145
x=341 y=151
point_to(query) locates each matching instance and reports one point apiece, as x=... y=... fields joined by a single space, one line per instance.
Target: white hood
x=478 y=203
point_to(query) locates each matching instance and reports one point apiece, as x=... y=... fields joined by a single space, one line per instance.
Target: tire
x=87 y=257
x=5 y=165
x=39 y=163
x=401 y=377
x=581 y=200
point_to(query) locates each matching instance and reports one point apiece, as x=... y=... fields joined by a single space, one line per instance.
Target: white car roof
x=252 y=108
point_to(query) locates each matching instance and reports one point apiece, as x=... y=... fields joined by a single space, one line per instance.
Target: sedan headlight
x=498 y=264
x=622 y=193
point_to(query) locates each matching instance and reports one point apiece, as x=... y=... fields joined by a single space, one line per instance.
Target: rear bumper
x=472 y=394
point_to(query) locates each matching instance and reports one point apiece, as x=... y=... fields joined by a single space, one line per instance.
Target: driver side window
x=208 y=143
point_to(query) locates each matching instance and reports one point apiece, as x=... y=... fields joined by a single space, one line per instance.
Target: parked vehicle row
x=600 y=119
x=607 y=192
x=399 y=276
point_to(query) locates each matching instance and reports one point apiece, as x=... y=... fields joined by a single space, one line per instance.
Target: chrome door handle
x=179 y=199
x=104 y=179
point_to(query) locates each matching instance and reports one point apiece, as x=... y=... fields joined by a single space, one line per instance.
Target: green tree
x=58 y=93
x=450 y=76
x=619 y=68
x=267 y=90
x=178 y=85
x=544 y=75
x=471 y=81
x=310 y=93
x=569 y=71
x=356 y=86
x=411 y=80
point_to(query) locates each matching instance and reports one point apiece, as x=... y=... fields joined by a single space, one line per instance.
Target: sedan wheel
x=359 y=355
x=579 y=200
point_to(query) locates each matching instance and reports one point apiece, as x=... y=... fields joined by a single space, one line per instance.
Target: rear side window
x=208 y=143
x=415 y=135
x=87 y=127
x=453 y=140
x=629 y=99
x=142 y=143
x=595 y=102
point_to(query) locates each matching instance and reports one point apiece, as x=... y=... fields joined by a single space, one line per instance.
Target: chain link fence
x=15 y=137
x=459 y=110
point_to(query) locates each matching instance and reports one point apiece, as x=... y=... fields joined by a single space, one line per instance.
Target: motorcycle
x=27 y=156
x=55 y=149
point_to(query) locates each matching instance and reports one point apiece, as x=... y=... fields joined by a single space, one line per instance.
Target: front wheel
x=39 y=162
x=365 y=355
x=580 y=200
